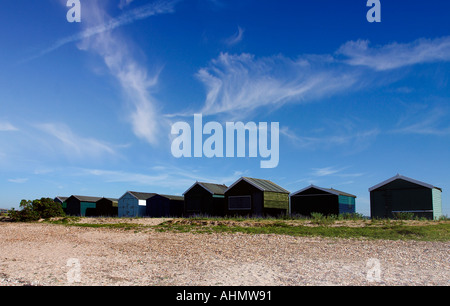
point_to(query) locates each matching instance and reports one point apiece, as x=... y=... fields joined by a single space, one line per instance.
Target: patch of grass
x=126 y=226
x=432 y=231
x=75 y=221
x=330 y=226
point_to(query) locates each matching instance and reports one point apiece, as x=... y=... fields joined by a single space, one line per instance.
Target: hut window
x=240 y=203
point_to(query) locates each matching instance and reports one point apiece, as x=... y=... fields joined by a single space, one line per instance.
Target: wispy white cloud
x=326 y=171
x=358 y=140
x=124 y=3
x=244 y=82
x=18 y=180
x=73 y=145
x=425 y=120
x=113 y=176
x=7 y=127
x=134 y=78
x=162 y=177
x=334 y=171
x=395 y=55
x=236 y=38
x=98 y=37
x=109 y=24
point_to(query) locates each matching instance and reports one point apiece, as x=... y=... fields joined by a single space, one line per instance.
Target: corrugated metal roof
x=142 y=195
x=342 y=193
x=112 y=199
x=214 y=188
x=330 y=190
x=263 y=185
x=173 y=197
x=87 y=198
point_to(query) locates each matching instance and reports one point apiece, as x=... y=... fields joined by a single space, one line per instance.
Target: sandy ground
x=55 y=255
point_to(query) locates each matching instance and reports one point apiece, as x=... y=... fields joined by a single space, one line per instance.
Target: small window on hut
x=240 y=203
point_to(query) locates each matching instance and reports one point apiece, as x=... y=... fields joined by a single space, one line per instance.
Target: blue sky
x=86 y=108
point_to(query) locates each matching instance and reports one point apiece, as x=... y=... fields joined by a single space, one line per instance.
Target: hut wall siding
x=73 y=207
x=158 y=207
x=437 y=203
x=197 y=201
x=326 y=204
x=106 y=208
x=131 y=207
x=347 y=205
x=84 y=206
x=276 y=200
x=200 y=201
x=176 y=208
x=243 y=189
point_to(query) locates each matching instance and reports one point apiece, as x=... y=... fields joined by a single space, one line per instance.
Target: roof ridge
x=405 y=178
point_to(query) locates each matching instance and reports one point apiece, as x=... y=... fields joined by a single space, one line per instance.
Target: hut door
x=129 y=210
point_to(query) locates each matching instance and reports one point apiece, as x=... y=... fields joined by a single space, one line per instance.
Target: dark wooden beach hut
x=326 y=201
x=159 y=206
x=105 y=207
x=77 y=205
x=401 y=194
x=61 y=200
x=205 y=199
x=258 y=197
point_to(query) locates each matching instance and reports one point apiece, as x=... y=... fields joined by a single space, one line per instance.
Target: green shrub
x=404 y=216
x=43 y=208
x=351 y=216
x=321 y=219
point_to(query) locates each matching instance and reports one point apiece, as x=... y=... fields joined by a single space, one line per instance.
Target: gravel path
x=44 y=254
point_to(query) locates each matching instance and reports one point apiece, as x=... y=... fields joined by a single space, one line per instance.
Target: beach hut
x=251 y=196
x=76 y=205
x=160 y=205
x=62 y=201
x=105 y=207
x=401 y=194
x=133 y=204
x=205 y=199
x=326 y=201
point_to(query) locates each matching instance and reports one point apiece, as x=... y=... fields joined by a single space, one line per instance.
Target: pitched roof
x=329 y=190
x=141 y=195
x=401 y=177
x=172 y=197
x=214 y=189
x=263 y=185
x=86 y=198
x=112 y=199
x=62 y=199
